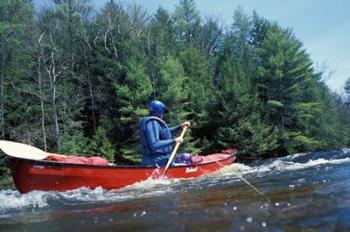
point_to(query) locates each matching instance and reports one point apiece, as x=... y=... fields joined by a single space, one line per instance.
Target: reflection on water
x=306 y=191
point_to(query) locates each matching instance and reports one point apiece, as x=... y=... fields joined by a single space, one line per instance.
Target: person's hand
x=185 y=124
x=179 y=140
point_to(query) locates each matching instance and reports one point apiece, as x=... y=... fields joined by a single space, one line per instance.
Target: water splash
x=12 y=199
x=300 y=161
x=233 y=168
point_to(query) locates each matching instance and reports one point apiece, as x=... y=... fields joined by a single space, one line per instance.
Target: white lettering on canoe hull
x=191 y=169
x=39 y=166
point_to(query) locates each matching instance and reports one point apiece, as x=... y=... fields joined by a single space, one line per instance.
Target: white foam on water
x=233 y=168
x=148 y=188
x=84 y=195
x=296 y=155
x=282 y=165
x=152 y=183
x=11 y=199
x=317 y=162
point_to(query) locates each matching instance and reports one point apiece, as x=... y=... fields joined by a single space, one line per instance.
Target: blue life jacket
x=160 y=154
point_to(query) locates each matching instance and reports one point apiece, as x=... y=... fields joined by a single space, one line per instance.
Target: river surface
x=301 y=192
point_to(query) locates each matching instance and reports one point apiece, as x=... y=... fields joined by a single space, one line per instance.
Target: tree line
x=77 y=80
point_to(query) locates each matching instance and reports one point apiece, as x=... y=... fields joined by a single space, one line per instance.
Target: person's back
x=156 y=141
x=156 y=137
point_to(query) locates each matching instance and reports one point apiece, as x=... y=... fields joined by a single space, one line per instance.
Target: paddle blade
x=21 y=150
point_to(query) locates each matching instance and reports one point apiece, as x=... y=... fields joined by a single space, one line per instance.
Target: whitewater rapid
x=12 y=201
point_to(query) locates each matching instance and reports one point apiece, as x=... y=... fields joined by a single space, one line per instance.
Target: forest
x=77 y=80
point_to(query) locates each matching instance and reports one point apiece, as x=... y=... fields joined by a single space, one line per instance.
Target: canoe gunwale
x=60 y=164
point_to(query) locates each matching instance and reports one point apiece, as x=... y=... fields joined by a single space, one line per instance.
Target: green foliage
x=132 y=93
x=76 y=144
x=186 y=20
x=101 y=145
x=298 y=142
x=172 y=90
x=275 y=104
x=162 y=34
x=285 y=80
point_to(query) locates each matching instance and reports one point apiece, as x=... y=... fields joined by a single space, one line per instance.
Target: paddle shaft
x=174 y=151
x=250 y=185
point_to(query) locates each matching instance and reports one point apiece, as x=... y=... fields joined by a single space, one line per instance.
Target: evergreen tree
x=210 y=36
x=101 y=145
x=17 y=106
x=160 y=43
x=132 y=93
x=16 y=20
x=172 y=92
x=287 y=86
x=237 y=114
x=198 y=89
x=186 y=21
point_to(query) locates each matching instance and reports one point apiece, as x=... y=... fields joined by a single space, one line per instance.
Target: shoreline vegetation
x=74 y=80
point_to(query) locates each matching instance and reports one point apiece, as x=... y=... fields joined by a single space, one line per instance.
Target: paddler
x=156 y=137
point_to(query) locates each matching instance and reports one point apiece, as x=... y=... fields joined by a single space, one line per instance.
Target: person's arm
x=153 y=137
x=182 y=125
x=174 y=128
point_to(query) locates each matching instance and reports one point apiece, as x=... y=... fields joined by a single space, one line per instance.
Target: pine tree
x=101 y=145
x=132 y=92
x=210 y=36
x=186 y=21
x=17 y=106
x=160 y=43
x=286 y=85
x=170 y=89
x=239 y=121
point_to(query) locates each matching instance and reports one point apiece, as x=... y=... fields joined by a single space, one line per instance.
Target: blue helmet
x=157 y=107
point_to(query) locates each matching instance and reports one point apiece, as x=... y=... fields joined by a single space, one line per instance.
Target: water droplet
x=277 y=204
x=249 y=219
x=225 y=203
x=143 y=213
x=234 y=207
x=291 y=186
x=264 y=206
x=288 y=204
x=263 y=224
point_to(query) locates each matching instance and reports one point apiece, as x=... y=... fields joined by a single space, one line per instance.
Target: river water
x=301 y=192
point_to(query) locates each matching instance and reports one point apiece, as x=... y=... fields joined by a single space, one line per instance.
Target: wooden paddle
x=174 y=151
x=24 y=151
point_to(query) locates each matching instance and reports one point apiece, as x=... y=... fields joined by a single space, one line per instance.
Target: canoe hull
x=29 y=175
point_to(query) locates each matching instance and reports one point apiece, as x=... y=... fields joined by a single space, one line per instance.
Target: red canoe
x=29 y=175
